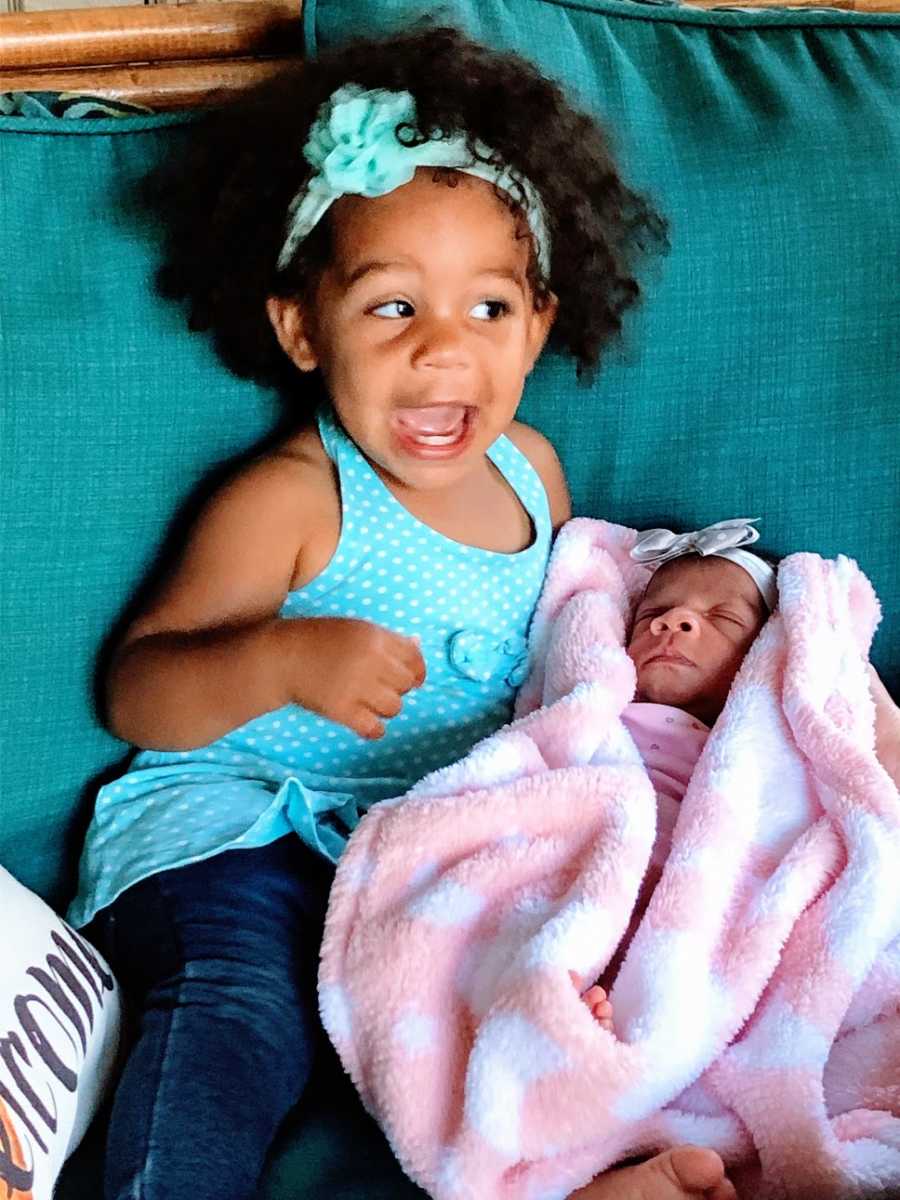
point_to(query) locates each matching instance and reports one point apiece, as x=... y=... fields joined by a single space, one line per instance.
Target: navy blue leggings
x=218 y=961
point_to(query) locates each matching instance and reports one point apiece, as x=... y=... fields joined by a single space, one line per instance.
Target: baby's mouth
x=668 y=657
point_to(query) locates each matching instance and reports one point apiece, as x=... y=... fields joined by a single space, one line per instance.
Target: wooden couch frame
x=162 y=56
x=183 y=54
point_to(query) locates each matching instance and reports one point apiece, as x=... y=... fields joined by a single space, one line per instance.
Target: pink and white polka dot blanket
x=757 y=1009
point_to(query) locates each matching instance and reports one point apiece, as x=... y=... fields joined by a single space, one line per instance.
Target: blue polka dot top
x=292 y=770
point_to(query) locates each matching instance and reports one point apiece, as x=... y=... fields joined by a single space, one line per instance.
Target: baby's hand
x=601 y=1009
x=597 y=1001
x=350 y=671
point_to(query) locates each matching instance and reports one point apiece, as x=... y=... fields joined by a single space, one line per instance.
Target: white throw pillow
x=59 y=1038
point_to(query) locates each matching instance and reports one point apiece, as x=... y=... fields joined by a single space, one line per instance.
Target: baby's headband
x=354 y=149
x=723 y=540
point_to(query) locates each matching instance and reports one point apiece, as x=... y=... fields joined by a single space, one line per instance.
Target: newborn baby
x=704 y=606
x=697 y=620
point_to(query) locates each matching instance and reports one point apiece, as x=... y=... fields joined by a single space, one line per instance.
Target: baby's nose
x=676 y=620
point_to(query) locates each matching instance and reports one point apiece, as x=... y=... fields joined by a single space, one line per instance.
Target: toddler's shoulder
x=292 y=471
x=282 y=491
x=531 y=442
x=300 y=460
x=540 y=453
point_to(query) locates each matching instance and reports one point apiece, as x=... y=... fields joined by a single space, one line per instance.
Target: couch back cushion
x=759 y=378
x=112 y=413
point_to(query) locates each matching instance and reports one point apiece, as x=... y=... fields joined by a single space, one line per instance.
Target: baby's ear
x=291 y=323
x=541 y=323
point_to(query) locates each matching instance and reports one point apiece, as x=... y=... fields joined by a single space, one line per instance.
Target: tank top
x=292 y=770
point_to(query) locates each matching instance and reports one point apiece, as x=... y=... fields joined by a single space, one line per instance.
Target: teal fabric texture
x=112 y=414
x=293 y=771
x=759 y=376
x=74 y=106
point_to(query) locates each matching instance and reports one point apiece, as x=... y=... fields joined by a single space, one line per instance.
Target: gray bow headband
x=724 y=539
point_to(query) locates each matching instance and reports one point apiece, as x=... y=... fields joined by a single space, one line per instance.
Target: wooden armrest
x=173 y=56
x=872 y=6
x=164 y=56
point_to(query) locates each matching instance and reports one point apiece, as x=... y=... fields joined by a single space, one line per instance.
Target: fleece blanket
x=756 y=1006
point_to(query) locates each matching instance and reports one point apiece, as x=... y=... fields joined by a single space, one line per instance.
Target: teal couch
x=760 y=377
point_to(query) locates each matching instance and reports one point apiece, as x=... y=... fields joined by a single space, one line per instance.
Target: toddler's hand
x=353 y=672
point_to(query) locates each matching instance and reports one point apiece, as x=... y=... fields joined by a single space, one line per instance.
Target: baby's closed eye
x=647 y=614
x=728 y=616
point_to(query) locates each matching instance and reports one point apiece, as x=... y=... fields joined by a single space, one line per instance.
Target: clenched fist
x=353 y=672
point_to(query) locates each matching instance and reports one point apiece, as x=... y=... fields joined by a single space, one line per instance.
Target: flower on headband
x=353 y=149
x=353 y=143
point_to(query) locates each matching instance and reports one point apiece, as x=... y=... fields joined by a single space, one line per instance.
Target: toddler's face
x=423 y=325
x=695 y=623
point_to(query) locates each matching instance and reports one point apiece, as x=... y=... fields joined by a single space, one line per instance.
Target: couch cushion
x=761 y=376
x=758 y=379
x=112 y=414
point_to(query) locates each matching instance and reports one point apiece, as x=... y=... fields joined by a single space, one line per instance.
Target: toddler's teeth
x=434 y=425
x=432 y=431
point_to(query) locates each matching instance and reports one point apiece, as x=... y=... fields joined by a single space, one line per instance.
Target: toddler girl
x=386 y=237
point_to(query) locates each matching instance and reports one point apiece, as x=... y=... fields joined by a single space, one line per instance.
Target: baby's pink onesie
x=669 y=741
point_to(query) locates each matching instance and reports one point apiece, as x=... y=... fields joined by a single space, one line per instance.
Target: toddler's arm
x=210 y=652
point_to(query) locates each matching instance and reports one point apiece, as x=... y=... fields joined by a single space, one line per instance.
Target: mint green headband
x=354 y=150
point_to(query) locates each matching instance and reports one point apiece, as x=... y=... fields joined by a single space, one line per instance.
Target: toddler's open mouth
x=434 y=430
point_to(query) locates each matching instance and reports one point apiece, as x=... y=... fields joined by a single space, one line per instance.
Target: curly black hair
x=223 y=203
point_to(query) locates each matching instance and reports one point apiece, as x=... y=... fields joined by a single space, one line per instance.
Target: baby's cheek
x=730 y=665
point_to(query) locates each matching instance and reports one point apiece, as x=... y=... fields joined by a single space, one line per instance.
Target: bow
x=477 y=654
x=656 y=546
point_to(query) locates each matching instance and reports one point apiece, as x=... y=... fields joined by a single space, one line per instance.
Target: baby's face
x=695 y=623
